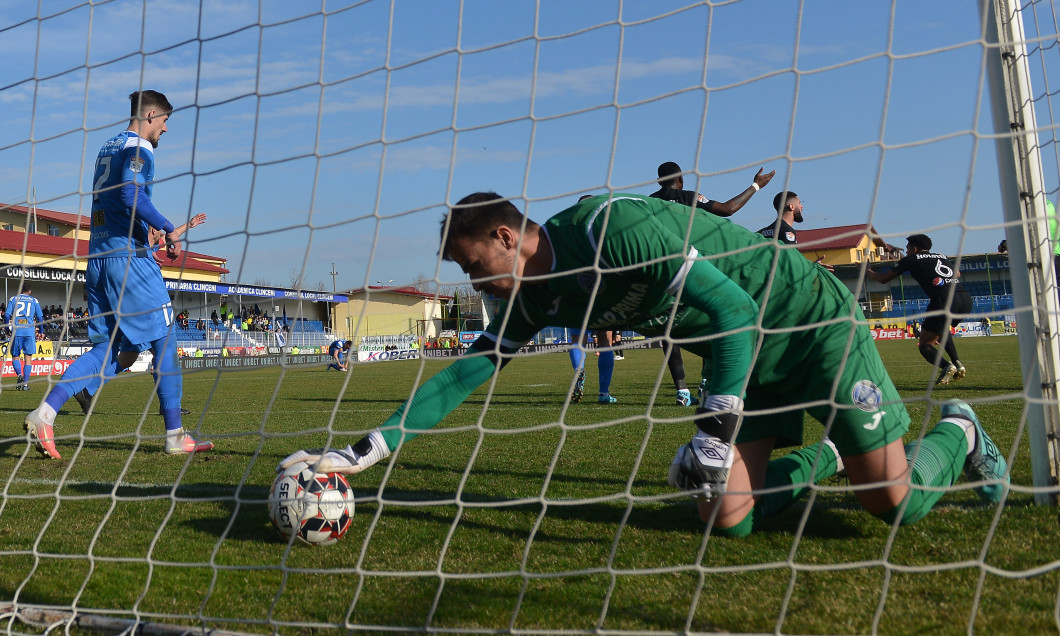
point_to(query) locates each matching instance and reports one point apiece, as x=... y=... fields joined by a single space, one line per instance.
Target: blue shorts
x=23 y=344
x=127 y=296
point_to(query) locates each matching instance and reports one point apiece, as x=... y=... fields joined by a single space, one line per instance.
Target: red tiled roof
x=837 y=238
x=75 y=220
x=14 y=240
x=61 y=246
x=404 y=291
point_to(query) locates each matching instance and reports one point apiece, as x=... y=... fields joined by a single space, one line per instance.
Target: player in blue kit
x=605 y=365
x=26 y=317
x=338 y=351
x=84 y=396
x=129 y=307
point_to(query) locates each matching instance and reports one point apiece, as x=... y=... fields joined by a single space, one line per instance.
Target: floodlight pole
x=331 y=306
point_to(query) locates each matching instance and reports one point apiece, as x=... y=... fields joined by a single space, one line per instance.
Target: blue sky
x=313 y=137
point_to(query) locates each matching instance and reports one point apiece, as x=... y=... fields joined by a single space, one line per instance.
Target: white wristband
x=755 y=186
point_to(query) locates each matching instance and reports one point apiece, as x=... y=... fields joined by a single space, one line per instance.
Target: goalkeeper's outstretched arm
x=429 y=405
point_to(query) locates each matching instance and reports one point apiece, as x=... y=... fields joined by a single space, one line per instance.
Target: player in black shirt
x=938 y=278
x=671 y=183
x=789 y=209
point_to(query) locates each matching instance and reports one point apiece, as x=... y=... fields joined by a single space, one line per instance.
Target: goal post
x=1024 y=207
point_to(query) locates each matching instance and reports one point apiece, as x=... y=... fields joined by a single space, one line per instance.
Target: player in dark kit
x=949 y=301
x=672 y=183
x=789 y=210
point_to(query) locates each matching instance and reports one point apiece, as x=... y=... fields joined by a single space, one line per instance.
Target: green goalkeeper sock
x=939 y=460
x=795 y=471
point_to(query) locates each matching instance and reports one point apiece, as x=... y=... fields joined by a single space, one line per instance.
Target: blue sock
x=17 y=364
x=83 y=372
x=606 y=366
x=170 y=383
x=577 y=357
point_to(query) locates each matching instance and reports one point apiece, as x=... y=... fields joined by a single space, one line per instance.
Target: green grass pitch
x=529 y=515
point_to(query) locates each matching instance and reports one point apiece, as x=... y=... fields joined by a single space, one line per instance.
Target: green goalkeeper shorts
x=829 y=367
x=831 y=371
x=859 y=408
x=819 y=359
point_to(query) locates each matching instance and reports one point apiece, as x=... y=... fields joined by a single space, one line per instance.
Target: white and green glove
x=351 y=460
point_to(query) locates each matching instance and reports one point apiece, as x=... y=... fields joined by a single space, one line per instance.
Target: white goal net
x=329 y=141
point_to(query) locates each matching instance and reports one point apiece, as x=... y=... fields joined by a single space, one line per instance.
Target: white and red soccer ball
x=316 y=508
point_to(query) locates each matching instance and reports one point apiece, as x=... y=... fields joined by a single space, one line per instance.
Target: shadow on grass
x=505 y=399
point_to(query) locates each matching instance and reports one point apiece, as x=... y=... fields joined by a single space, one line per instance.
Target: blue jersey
x=124 y=177
x=336 y=347
x=25 y=314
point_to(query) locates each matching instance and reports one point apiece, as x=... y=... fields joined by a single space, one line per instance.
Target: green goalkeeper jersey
x=623 y=261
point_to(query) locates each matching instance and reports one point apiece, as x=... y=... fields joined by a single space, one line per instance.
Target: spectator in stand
x=200 y=324
x=214 y=319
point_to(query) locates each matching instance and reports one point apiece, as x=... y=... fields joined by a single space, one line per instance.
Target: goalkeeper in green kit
x=624 y=261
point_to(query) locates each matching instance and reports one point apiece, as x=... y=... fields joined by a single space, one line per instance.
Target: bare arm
x=196 y=220
x=172 y=239
x=731 y=206
x=883 y=278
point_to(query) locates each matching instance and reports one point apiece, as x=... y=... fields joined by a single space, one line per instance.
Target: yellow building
x=846 y=245
x=391 y=311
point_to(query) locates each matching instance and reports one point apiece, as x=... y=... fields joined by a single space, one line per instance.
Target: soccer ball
x=316 y=508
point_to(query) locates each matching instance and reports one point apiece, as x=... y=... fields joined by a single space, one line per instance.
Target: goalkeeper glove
x=351 y=460
x=703 y=465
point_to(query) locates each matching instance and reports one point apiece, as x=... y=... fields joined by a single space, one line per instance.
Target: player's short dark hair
x=476 y=216
x=668 y=173
x=26 y=287
x=142 y=101
x=781 y=200
x=919 y=241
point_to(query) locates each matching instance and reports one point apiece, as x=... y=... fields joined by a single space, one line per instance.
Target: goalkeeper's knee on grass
x=740 y=530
